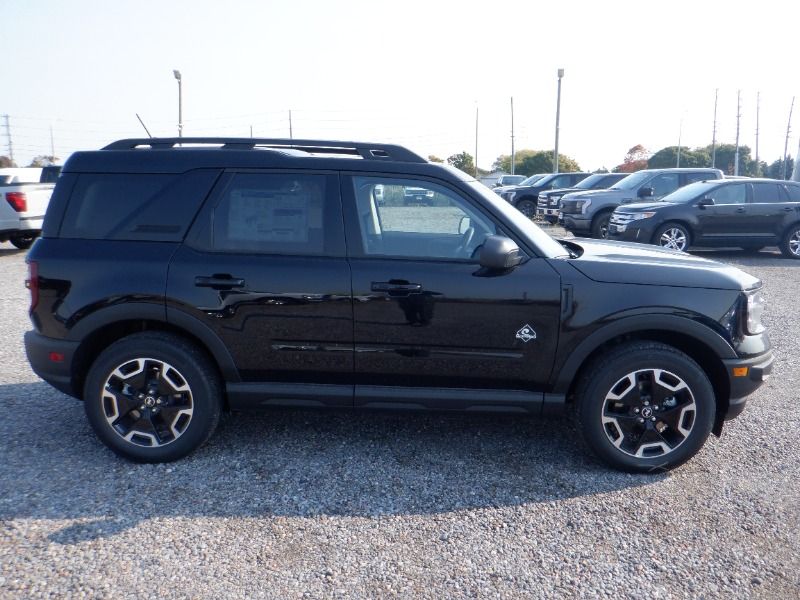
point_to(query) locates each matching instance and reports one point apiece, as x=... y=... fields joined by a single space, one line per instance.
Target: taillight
x=18 y=201
x=32 y=283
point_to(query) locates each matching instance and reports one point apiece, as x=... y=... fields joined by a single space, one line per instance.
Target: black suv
x=549 y=202
x=173 y=282
x=749 y=213
x=524 y=197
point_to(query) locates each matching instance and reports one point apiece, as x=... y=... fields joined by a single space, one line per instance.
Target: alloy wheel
x=673 y=238
x=147 y=402
x=648 y=413
x=794 y=242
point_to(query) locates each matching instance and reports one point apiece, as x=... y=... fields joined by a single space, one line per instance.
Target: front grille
x=570 y=207
x=621 y=218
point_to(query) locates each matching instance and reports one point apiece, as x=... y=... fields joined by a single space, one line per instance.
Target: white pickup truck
x=23 y=203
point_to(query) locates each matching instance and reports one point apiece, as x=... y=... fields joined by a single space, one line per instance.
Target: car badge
x=526 y=334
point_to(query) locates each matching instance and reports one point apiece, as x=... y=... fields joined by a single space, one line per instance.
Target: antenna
x=143 y=125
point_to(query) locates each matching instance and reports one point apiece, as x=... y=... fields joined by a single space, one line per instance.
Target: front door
x=425 y=313
x=264 y=268
x=724 y=221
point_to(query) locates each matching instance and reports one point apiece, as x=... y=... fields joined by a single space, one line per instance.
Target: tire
x=527 y=207
x=600 y=226
x=171 y=421
x=673 y=236
x=631 y=427
x=790 y=244
x=23 y=242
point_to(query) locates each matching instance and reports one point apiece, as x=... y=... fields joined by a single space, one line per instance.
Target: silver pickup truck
x=22 y=207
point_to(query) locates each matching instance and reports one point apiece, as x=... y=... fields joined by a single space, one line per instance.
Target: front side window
x=418 y=219
x=273 y=214
x=730 y=194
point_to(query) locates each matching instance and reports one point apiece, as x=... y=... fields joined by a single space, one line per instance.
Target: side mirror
x=499 y=252
x=703 y=202
x=645 y=192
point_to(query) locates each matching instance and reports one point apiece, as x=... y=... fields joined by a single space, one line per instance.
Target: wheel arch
x=108 y=326
x=706 y=347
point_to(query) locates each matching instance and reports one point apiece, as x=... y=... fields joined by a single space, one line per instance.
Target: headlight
x=755 y=308
x=583 y=205
x=644 y=215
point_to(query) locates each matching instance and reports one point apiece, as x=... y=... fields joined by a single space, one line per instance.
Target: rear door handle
x=788 y=208
x=219 y=282
x=740 y=209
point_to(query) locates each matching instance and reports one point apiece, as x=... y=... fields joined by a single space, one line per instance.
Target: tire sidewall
x=205 y=396
x=526 y=202
x=660 y=231
x=597 y=225
x=787 y=252
x=591 y=405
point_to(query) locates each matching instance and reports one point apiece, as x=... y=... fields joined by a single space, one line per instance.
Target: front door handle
x=395 y=287
x=219 y=281
x=740 y=210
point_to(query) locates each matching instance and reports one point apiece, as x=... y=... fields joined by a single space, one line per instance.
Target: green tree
x=668 y=157
x=775 y=170
x=43 y=161
x=529 y=162
x=726 y=157
x=435 y=159
x=463 y=161
x=6 y=162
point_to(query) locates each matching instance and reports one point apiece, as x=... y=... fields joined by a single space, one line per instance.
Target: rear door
x=426 y=315
x=264 y=268
x=767 y=212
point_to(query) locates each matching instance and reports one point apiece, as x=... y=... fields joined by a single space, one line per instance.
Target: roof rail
x=368 y=151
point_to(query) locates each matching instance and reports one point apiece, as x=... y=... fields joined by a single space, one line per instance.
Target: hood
x=625 y=262
x=598 y=194
x=559 y=191
x=643 y=206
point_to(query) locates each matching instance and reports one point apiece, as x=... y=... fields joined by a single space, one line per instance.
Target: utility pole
x=796 y=172
x=558 y=119
x=8 y=135
x=513 y=156
x=680 y=134
x=738 y=118
x=786 y=143
x=714 y=133
x=251 y=131
x=52 y=145
x=476 y=142
x=758 y=112
x=291 y=134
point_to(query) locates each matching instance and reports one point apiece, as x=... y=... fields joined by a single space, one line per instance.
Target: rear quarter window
x=141 y=207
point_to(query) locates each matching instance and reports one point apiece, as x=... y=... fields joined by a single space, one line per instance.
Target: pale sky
x=407 y=72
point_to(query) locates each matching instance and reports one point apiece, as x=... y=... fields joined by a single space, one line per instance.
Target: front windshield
x=547 y=245
x=532 y=179
x=689 y=192
x=632 y=181
x=590 y=181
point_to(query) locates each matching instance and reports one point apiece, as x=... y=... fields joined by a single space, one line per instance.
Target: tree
x=635 y=160
x=668 y=157
x=6 y=162
x=529 y=162
x=434 y=158
x=726 y=158
x=463 y=161
x=775 y=170
x=44 y=161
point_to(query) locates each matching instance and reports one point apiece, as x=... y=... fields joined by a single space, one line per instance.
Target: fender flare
x=563 y=376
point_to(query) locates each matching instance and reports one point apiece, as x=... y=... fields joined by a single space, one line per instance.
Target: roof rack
x=367 y=151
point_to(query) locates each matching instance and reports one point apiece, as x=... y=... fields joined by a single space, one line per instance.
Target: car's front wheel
x=645 y=407
x=527 y=207
x=790 y=244
x=153 y=397
x=672 y=236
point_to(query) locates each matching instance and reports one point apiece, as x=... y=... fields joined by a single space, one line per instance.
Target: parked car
x=588 y=213
x=415 y=195
x=24 y=203
x=549 y=202
x=526 y=181
x=750 y=213
x=524 y=197
x=505 y=180
x=234 y=274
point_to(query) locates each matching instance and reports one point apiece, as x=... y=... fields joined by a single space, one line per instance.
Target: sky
x=411 y=72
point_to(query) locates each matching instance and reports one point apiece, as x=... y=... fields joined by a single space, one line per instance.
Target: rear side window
x=766 y=193
x=141 y=207
x=793 y=191
x=694 y=177
x=279 y=213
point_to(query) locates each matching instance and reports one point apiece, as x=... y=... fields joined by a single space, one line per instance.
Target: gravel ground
x=310 y=504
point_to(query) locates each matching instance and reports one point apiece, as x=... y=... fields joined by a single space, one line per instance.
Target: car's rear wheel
x=645 y=407
x=153 y=397
x=790 y=244
x=672 y=236
x=23 y=241
x=527 y=207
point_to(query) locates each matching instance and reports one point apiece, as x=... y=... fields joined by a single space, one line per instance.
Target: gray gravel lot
x=300 y=503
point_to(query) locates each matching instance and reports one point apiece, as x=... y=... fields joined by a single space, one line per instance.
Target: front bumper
x=637 y=231
x=574 y=222
x=745 y=376
x=52 y=359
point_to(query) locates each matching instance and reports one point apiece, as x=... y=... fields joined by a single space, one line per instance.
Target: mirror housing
x=703 y=202
x=645 y=192
x=500 y=252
